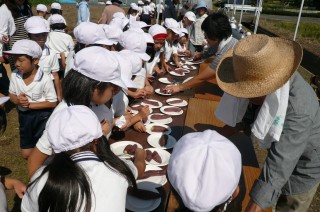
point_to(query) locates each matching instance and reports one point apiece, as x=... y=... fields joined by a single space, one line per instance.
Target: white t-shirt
x=108 y=188
x=169 y=50
x=69 y=62
x=40 y=90
x=120 y=103
x=49 y=61
x=3 y=199
x=46 y=22
x=146 y=9
x=150 y=66
x=7 y=25
x=59 y=41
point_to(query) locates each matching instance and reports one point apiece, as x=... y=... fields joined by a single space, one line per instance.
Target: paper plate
x=194 y=62
x=186 y=80
x=140 y=205
x=153 y=140
x=183 y=69
x=163 y=94
x=165 y=156
x=182 y=104
x=118 y=147
x=134 y=112
x=165 y=81
x=152 y=106
x=149 y=126
x=176 y=74
x=189 y=67
x=160 y=121
x=156 y=181
x=170 y=113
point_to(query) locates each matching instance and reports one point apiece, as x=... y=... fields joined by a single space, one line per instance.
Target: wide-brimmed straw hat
x=258 y=65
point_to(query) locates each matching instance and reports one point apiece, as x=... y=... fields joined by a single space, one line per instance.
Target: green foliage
x=46 y=2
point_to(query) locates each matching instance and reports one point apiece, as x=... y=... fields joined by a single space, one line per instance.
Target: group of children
x=70 y=96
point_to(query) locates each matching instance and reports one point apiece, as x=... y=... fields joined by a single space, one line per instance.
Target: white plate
x=186 y=80
x=163 y=94
x=182 y=104
x=165 y=156
x=165 y=80
x=174 y=64
x=170 y=113
x=118 y=147
x=140 y=205
x=176 y=74
x=134 y=112
x=191 y=68
x=152 y=106
x=160 y=121
x=153 y=140
x=157 y=181
x=184 y=70
x=190 y=62
x=149 y=126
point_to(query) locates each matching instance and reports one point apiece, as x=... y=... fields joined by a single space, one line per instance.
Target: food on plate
x=176 y=101
x=182 y=70
x=172 y=109
x=156 y=157
x=171 y=80
x=152 y=173
x=148 y=155
x=178 y=72
x=158 y=129
x=159 y=116
x=149 y=102
x=164 y=91
x=130 y=149
x=163 y=140
x=189 y=66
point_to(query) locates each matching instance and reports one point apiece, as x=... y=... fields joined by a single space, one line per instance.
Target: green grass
x=46 y=2
x=306 y=30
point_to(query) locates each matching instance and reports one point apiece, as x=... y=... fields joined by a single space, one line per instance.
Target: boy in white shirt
x=33 y=92
x=42 y=12
x=38 y=32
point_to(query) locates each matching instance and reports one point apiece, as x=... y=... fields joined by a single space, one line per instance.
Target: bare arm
x=35 y=161
x=140 y=162
x=42 y=105
x=57 y=85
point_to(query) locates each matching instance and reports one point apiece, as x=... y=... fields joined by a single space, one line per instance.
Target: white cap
x=190 y=15
x=172 y=24
x=99 y=64
x=42 y=8
x=148 y=37
x=204 y=168
x=57 y=19
x=136 y=29
x=135 y=42
x=157 y=31
x=90 y=33
x=35 y=25
x=248 y=33
x=56 y=6
x=112 y=32
x=119 y=20
x=126 y=70
x=183 y=32
x=134 y=59
x=139 y=24
x=28 y=47
x=140 y=2
x=108 y=2
x=134 y=6
x=73 y=127
x=147 y=0
x=233 y=26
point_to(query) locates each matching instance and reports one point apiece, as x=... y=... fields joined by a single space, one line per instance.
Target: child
x=83 y=11
x=84 y=174
x=59 y=41
x=33 y=92
x=173 y=32
x=49 y=64
x=210 y=180
x=42 y=12
x=9 y=184
x=55 y=9
x=88 y=83
x=133 y=14
x=182 y=44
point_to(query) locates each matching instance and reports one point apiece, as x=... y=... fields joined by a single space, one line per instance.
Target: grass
x=46 y=2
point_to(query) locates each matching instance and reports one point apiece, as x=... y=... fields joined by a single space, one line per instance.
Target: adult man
x=262 y=70
x=109 y=10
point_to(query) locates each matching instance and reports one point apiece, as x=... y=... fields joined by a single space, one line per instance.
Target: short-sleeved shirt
x=49 y=61
x=169 y=50
x=108 y=187
x=59 y=41
x=40 y=90
x=219 y=54
x=120 y=103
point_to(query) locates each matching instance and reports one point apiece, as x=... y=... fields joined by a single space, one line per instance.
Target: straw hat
x=258 y=65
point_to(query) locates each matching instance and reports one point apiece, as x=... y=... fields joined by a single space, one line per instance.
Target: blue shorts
x=31 y=126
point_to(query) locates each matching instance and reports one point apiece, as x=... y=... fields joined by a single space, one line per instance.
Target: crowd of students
x=71 y=97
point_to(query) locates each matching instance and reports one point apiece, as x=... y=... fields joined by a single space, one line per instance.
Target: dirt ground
x=12 y=163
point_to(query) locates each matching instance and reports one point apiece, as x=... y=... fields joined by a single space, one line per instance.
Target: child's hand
x=139 y=93
x=5 y=39
x=144 y=112
x=106 y=128
x=167 y=68
x=178 y=65
x=23 y=100
x=19 y=188
x=139 y=126
x=149 y=89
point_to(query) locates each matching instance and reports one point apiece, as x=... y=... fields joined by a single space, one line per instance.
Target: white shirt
x=108 y=187
x=120 y=103
x=40 y=90
x=59 y=41
x=146 y=9
x=3 y=199
x=69 y=62
x=49 y=61
x=46 y=22
x=169 y=50
x=7 y=26
x=150 y=66
x=160 y=8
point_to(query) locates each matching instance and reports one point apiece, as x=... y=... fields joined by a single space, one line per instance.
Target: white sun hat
x=28 y=47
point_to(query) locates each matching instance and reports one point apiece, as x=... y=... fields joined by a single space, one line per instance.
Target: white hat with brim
x=99 y=64
x=126 y=70
x=57 y=19
x=72 y=128
x=56 y=6
x=27 y=47
x=112 y=32
x=258 y=65
x=205 y=169
x=190 y=15
x=89 y=33
x=172 y=24
x=42 y=8
x=108 y=2
x=35 y=25
x=201 y=4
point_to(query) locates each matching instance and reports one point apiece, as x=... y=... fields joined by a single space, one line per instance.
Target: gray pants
x=296 y=203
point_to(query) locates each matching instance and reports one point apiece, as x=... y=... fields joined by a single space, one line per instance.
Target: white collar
x=36 y=78
x=45 y=51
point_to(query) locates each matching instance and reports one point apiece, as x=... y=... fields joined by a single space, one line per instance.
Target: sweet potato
x=159 y=116
x=172 y=109
x=156 y=157
x=163 y=140
x=158 y=129
x=149 y=102
x=148 y=155
x=152 y=173
x=177 y=101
